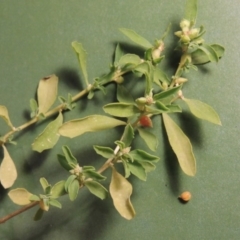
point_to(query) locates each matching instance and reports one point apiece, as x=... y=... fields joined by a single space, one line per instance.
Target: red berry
x=146 y=121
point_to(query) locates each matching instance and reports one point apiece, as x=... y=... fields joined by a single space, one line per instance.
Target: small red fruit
x=145 y=121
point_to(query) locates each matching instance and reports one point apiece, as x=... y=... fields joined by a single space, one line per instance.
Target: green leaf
x=148 y=166
x=91 y=123
x=118 y=54
x=127 y=59
x=20 y=196
x=55 y=203
x=121 y=191
x=203 y=111
x=128 y=135
x=38 y=214
x=218 y=49
x=173 y=108
x=47 y=93
x=210 y=52
x=121 y=109
x=149 y=138
x=44 y=183
x=8 y=171
x=105 y=152
x=180 y=145
x=63 y=162
x=140 y=155
x=49 y=137
x=34 y=198
x=167 y=96
x=72 y=161
x=97 y=189
x=126 y=169
x=136 y=38
x=166 y=31
x=191 y=11
x=73 y=189
x=4 y=115
x=137 y=170
x=93 y=174
x=33 y=107
x=58 y=189
x=82 y=56
x=69 y=181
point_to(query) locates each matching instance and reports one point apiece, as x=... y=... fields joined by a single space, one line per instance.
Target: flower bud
x=178 y=33
x=185 y=39
x=141 y=100
x=156 y=53
x=194 y=33
x=180 y=80
x=184 y=24
x=185 y=196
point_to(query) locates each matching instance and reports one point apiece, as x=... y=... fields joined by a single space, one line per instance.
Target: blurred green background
x=35 y=41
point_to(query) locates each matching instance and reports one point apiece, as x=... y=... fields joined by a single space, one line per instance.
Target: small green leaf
x=69 y=181
x=136 y=38
x=8 y=171
x=123 y=95
x=127 y=59
x=44 y=183
x=38 y=214
x=49 y=137
x=55 y=203
x=82 y=56
x=191 y=11
x=4 y=115
x=167 y=96
x=210 y=52
x=47 y=93
x=97 y=189
x=105 y=152
x=218 y=49
x=180 y=145
x=126 y=169
x=63 y=162
x=91 y=123
x=94 y=175
x=121 y=191
x=148 y=166
x=128 y=135
x=166 y=31
x=73 y=189
x=20 y=196
x=72 y=161
x=121 y=109
x=34 y=198
x=173 y=108
x=137 y=170
x=118 y=54
x=33 y=107
x=160 y=75
x=149 y=138
x=58 y=189
x=140 y=155
x=203 y=111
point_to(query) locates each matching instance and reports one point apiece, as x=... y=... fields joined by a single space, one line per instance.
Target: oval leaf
x=121 y=190
x=49 y=137
x=20 y=196
x=47 y=93
x=58 y=189
x=91 y=123
x=203 y=111
x=73 y=189
x=136 y=37
x=4 y=115
x=97 y=189
x=129 y=59
x=8 y=172
x=191 y=11
x=121 y=109
x=180 y=145
x=82 y=56
x=149 y=138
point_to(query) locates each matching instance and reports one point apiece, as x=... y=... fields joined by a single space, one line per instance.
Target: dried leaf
x=91 y=123
x=4 y=115
x=8 y=172
x=180 y=145
x=49 y=137
x=47 y=93
x=20 y=196
x=121 y=190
